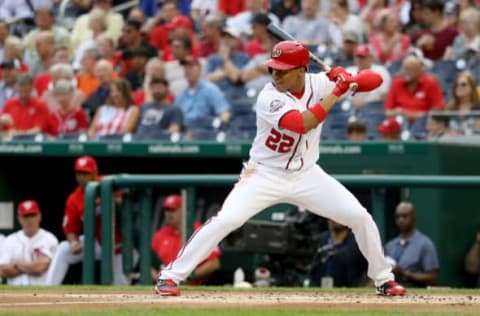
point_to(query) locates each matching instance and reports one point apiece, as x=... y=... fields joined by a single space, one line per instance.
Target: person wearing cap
x=283 y=167
x=167 y=241
x=345 y=55
x=202 y=100
x=260 y=38
x=390 y=129
x=364 y=60
x=307 y=26
x=224 y=68
x=70 y=251
x=25 y=255
x=24 y=113
x=414 y=92
x=10 y=72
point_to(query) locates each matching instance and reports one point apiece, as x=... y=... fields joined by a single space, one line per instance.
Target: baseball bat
x=283 y=35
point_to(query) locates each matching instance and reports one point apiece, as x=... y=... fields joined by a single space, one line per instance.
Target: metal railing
x=109 y=184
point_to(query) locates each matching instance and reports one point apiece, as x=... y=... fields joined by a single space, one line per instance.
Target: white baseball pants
x=260 y=187
x=64 y=258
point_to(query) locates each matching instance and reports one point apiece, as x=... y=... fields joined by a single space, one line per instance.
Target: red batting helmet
x=287 y=55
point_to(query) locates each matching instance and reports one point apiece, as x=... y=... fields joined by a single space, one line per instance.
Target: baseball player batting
x=283 y=167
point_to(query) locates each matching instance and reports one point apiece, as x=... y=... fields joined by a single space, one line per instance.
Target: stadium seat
x=36 y=137
x=394 y=68
x=335 y=126
x=73 y=136
x=445 y=71
x=112 y=137
x=418 y=129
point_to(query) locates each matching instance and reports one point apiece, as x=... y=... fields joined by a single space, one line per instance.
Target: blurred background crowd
x=173 y=70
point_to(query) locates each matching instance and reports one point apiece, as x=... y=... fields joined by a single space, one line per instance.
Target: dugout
x=43 y=171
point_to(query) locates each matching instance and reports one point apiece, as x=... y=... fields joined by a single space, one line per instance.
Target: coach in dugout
x=70 y=251
x=26 y=254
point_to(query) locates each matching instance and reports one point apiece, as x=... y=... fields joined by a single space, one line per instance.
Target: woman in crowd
x=465 y=99
x=118 y=116
x=469 y=37
x=389 y=45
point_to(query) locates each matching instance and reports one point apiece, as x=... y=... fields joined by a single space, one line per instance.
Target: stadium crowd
x=172 y=70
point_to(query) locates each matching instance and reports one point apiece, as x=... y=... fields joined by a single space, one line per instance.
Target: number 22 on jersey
x=279 y=142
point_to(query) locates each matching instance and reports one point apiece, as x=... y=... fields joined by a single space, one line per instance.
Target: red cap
x=362 y=50
x=28 y=207
x=86 y=164
x=389 y=126
x=173 y=201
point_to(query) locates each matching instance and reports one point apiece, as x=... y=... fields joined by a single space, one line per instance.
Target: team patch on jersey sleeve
x=276 y=105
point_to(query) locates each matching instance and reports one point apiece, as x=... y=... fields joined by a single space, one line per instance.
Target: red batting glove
x=337 y=72
x=343 y=84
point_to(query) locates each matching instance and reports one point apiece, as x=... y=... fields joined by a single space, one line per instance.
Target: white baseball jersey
x=283 y=169
x=280 y=148
x=17 y=246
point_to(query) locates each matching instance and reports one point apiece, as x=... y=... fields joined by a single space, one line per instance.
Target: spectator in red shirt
x=70 y=251
x=167 y=242
x=24 y=113
x=414 y=93
x=438 y=36
x=258 y=45
x=168 y=20
x=231 y=7
x=67 y=118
